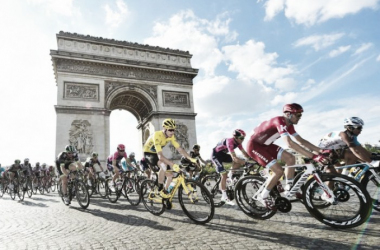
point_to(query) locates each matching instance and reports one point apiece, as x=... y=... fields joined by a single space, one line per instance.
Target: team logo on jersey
x=283 y=128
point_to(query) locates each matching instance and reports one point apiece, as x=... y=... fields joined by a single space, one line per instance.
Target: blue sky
x=252 y=56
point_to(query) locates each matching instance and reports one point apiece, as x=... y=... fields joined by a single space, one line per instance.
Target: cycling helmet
x=238 y=133
x=94 y=154
x=26 y=160
x=353 y=121
x=17 y=161
x=132 y=154
x=196 y=146
x=120 y=147
x=168 y=124
x=44 y=165
x=50 y=167
x=37 y=163
x=292 y=108
x=70 y=149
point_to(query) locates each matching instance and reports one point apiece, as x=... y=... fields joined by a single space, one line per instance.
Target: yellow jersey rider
x=156 y=159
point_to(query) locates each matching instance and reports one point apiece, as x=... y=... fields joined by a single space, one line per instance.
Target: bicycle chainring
x=283 y=204
x=342 y=195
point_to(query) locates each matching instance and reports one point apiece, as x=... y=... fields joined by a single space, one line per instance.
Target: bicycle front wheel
x=82 y=195
x=12 y=189
x=132 y=191
x=373 y=187
x=21 y=190
x=352 y=206
x=150 y=197
x=29 y=188
x=102 y=188
x=212 y=185
x=2 y=187
x=245 y=191
x=197 y=204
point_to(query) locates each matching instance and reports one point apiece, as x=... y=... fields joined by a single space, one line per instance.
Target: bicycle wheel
x=102 y=188
x=35 y=186
x=198 y=204
x=41 y=186
x=48 y=186
x=53 y=185
x=20 y=190
x=150 y=197
x=132 y=193
x=82 y=195
x=2 y=187
x=12 y=189
x=353 y=203
x=245 y=190
x=211 y=183
x=373 y=187
x=112 y=191
x=29 y=188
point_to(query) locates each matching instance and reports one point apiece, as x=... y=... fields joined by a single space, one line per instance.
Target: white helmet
x=353 y=121
x=132 y=154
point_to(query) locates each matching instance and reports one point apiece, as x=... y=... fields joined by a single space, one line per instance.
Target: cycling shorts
x=152 y=160
x=218 y=158
x=144 y=165
x=265 y=155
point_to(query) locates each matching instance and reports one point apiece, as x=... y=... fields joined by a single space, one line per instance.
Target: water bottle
x=172 y=185
x=229 y=182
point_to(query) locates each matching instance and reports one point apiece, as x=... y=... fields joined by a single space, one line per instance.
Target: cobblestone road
x=44 y=222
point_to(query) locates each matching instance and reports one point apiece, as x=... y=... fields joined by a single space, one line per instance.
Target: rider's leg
x=277 y=173
x=161 y=175
x=116 y=175
x=289 y=160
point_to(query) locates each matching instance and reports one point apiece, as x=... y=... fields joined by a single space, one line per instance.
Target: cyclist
x=345 y=145
x=114 y=161
x=89 y=166
x=37 y=170
x=13 y=170
x=64 y=163
x=145 y=167
x=27 y=167
x=155 y=158
x=190 y=167
x=2 y=170
x=220 y=155
x=261 y=148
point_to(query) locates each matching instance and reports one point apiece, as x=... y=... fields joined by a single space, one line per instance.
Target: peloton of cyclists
x=261 y=148
x=155 y=158
x=220 y=155
x=89 y=167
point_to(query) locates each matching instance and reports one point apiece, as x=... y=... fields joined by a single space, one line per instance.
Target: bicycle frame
x=359 y=175
x=310 y=170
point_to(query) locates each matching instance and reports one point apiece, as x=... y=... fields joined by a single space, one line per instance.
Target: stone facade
x=95 y=76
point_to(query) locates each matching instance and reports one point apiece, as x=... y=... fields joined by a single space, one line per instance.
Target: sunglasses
x=298 y=115
x=241 y=137
x=121 y=150
x=359 y=127
x=171 y=130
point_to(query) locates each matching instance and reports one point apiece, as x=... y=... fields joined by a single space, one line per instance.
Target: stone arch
x=136 y=100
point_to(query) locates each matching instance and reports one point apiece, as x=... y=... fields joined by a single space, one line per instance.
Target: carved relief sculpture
x=182 y=137
x=176 y=99
x=80 y=136
x=86 y=92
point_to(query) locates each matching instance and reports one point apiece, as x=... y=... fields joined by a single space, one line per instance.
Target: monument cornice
x=101 y=40
x=122 y=62
x=69 y=65
x=162 y=114
x=81 y=110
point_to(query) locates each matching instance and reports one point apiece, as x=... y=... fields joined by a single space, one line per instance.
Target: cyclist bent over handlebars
x=64 y=163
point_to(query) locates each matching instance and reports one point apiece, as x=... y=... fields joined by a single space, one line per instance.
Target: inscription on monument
x=176 y=99
x=81 y=91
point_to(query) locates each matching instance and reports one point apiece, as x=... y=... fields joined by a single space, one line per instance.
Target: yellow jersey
x=157 y=141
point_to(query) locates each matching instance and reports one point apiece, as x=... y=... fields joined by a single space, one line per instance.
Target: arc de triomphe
x=95 y=76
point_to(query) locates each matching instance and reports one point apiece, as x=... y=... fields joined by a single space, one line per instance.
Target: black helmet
x=196 y=146
x=70 y=148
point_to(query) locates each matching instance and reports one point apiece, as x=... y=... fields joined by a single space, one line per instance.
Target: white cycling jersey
x=333 y=141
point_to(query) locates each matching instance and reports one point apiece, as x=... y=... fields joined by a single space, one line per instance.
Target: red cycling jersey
x=269 y=131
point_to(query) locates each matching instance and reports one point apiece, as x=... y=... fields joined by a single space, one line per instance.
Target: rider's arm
x=183 y=152
x=245 y=153
x=307 y=144
x=163 y=159
x=293 y=145
x=355 y=147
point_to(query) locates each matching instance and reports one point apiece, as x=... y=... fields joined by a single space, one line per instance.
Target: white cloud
x=319 y=42
x=378 y=59
x=63 y=7
x=286 y=84
x=338 y=51
x=116 y=17
x=310 y=12
x=251 y=61
x=362 y=48
x=200 y=36
x=309 y=83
